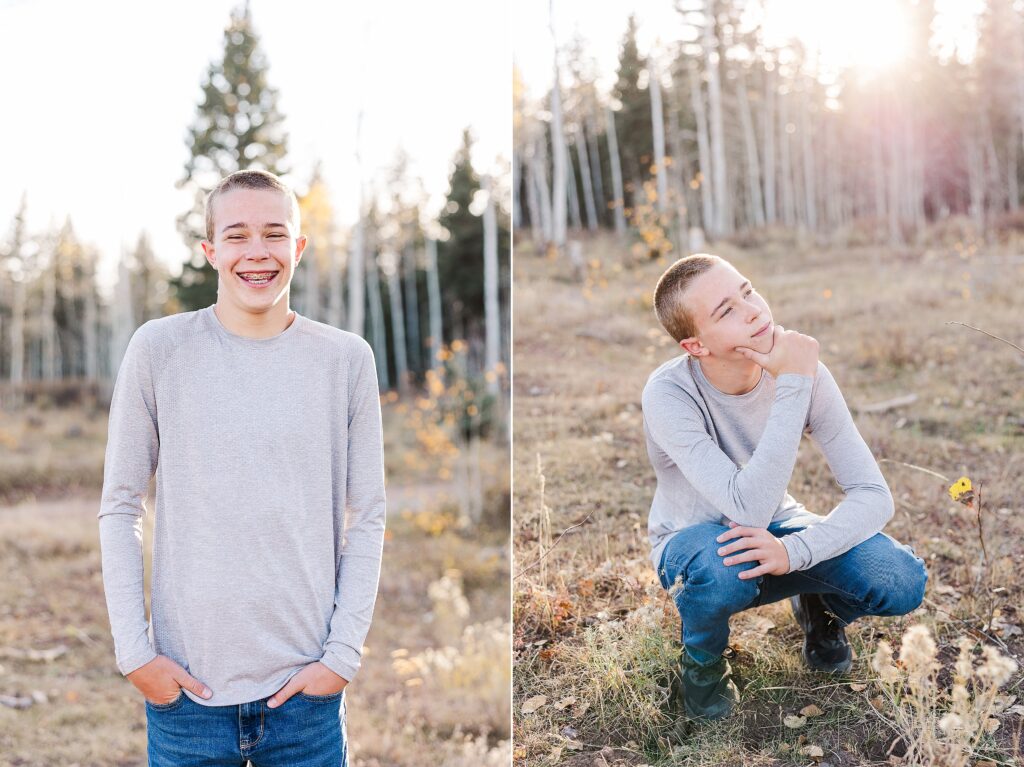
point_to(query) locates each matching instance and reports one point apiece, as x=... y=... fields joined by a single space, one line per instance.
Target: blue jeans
x=877 y=577
x=306 y=731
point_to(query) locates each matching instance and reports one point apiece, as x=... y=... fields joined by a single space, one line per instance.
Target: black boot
x=703 y=692
x=825 y=645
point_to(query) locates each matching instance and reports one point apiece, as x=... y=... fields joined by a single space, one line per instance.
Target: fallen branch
x=943 y=477
x=985 y=332
x=887 y=405
x=45 y=656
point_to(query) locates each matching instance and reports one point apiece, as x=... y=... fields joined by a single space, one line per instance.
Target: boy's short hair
x=250 y=179
x=669 y=306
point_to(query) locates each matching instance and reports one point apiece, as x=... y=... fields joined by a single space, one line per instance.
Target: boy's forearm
x=862 y=514
x=124 y=589
x=757 y=489
x=868 y=503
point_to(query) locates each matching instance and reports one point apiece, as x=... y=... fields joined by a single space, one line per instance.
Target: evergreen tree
x=238 y=126
x=633 y=118
x=461 y=257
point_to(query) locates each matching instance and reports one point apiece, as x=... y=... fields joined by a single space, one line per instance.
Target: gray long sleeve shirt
x=721 y=457
x=269 y=502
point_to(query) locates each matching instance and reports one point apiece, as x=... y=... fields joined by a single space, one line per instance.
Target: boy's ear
x=209 y=252
x=693 y=347
x=300 y=246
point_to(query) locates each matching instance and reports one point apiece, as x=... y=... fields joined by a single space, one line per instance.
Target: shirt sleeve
x=133 y=446
x=867 y=504
x=748 y=495
x=361 y=528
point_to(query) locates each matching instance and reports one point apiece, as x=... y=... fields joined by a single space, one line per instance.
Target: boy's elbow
x=749 y=513
x=884 y=503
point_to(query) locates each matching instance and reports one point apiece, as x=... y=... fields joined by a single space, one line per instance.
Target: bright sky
x=98 y=97
x=863 y=33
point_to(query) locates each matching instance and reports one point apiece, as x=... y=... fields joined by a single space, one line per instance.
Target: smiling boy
x=264 y=430
x=723 y=424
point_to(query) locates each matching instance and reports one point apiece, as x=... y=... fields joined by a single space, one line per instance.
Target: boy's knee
x=908 y=578
x=721 y=587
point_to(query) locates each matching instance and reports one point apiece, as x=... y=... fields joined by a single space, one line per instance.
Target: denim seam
x=250 y=745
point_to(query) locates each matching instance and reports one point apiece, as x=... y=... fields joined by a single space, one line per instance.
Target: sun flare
x=871 y=36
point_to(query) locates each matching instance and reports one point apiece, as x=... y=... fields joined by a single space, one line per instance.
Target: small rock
x=15 y=701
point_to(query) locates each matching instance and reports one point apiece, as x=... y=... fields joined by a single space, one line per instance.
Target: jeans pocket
x=167 y=706
x=321 y=698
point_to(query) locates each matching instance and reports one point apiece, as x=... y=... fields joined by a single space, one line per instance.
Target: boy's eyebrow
x=728 y=298
x=241 y=225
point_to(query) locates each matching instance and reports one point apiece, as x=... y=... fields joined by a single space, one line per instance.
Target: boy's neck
x=731 y=377
x=266 y=324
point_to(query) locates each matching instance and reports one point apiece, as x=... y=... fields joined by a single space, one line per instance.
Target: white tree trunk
x=617 y=187
x=434 y=306
x=810 y=183
x=89 y=320
x=547 y=215
x=18 y=332
x=711 y=60
x=753 y=165
x=397 y=324
x=593 y=146
x=311 y=259
x=588 y=187
x=492 y=312
x=517 y=180
x=658 y=136
x=574 y=201
x=412 y=309
x=48 y=327
x=785 y=165
x=380 y=338
x=703 y=150
x=559 y=177
x=122 y=315
x=533 y=204
x=770 y=213
x=335 y=301
x=356 y=279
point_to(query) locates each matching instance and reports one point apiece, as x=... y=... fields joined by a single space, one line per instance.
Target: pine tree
x=633 y=119
x=238 y=126
x=461 y=257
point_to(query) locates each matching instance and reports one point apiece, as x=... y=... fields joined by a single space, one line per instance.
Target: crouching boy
x=723 y=424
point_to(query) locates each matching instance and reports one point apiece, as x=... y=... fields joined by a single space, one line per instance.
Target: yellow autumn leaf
x=961 y=488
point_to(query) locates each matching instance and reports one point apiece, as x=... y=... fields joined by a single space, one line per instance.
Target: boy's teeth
x=257 y=279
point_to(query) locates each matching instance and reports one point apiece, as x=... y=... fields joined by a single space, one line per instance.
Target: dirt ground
x=56 y=649
x=593 y=632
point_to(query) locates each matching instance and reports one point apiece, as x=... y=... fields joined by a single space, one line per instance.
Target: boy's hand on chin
x=755 y=544
x=791 y=352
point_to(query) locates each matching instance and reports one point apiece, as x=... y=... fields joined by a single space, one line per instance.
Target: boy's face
x=253 y=234
x=727 y=313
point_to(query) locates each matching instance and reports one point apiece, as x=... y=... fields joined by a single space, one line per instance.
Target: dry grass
x=51 y=594
x=594 y=633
